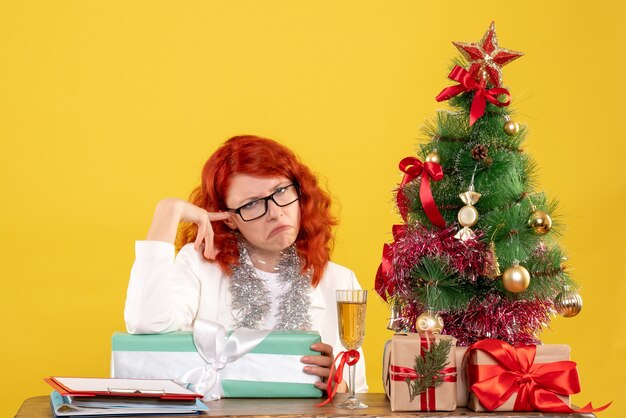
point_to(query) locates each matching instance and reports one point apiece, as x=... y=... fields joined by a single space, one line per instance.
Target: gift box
x=272 y=368
x=524 y=378
x=462 y=390
x=409 y=391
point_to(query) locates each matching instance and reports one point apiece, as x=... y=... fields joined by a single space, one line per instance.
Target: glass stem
x=352 y=384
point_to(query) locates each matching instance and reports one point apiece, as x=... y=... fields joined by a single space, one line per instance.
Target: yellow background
x=108 y=106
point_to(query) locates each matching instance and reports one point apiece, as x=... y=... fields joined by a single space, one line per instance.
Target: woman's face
x=279 y=227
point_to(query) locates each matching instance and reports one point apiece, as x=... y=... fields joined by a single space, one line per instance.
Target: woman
x=255 y=253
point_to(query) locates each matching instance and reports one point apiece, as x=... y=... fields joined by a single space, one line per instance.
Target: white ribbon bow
x=217 y=351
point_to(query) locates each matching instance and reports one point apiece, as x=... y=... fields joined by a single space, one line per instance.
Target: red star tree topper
x=486 y=57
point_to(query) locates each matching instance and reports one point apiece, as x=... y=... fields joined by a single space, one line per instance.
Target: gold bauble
x=468 y=216
x=540 y=222
x=568 y=303
x=433 y=157
x=511 y=128
x=429 y=322
x=516 y=279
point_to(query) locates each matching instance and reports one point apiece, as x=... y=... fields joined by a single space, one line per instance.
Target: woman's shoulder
x=338 y=276
x=335 y=269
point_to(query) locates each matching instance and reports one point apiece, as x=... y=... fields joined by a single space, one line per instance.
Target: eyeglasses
x=283 y=196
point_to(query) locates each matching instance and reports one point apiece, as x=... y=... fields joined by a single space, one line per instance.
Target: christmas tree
x=477 y=254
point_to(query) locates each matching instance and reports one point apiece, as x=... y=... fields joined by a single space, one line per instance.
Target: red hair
x=263 y=157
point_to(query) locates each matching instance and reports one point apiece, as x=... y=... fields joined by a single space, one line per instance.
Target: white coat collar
x=317 y=297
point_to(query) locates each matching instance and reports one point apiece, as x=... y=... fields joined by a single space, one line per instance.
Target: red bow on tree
x=536 y=385
x=383 y=284
x=412 y=168
x=467 y=82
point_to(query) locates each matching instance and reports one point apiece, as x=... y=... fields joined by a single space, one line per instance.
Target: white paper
x=104 y=385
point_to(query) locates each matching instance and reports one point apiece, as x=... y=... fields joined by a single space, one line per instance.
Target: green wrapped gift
x=272 y=369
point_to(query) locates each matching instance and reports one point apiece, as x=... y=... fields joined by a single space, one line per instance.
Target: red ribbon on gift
x=428 y=402
x=467 y=82
x=412 y=168
x=400 y=374
x=350 y=357
x=536 y=385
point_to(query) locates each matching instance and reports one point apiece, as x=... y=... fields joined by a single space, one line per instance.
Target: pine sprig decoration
x=429 y=368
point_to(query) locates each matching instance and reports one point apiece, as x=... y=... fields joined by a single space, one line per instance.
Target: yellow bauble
x=540 y=222
x=468 y=216
x=511 y=128
x=433 y=157
x=516 y=279
x=429 y=322
x=568 y=303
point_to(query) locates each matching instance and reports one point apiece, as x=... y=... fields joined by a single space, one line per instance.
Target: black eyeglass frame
x=266 y=200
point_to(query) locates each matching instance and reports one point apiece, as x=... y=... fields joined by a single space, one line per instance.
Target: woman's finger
x=209 y=245
x=322 y=372
x=210 y=251
x=323 y=348
x=323 y=361
x=200 y=234
x=219 y=216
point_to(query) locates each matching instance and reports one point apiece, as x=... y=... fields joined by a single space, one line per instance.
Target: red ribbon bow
x=383 y=284
x=350 y=357
x=412 y=168
x=536 y=385
x=467 y=82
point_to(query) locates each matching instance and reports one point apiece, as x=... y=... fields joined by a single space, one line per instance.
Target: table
x=39 y=407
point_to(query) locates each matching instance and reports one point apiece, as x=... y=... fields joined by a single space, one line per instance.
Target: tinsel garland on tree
x=478 y=244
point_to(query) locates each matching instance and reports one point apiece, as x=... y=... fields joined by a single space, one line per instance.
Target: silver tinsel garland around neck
x=251 y=299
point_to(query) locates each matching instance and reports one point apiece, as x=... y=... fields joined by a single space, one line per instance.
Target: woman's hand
x=171 y=211
x=320 y=365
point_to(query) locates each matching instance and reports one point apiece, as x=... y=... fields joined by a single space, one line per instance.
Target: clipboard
x=131 y=388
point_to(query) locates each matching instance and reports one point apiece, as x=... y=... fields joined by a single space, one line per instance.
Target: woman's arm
x=154 y=300
x=163 y=291
x=171 y=211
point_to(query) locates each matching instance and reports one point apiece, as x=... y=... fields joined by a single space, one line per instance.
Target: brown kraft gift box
x=545 y=354
x=400 y=351
x=462 y=391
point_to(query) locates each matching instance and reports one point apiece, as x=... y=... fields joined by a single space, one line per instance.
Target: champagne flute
x=351 y=306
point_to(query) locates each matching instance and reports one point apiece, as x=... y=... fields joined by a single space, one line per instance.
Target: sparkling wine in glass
x=351 y=306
